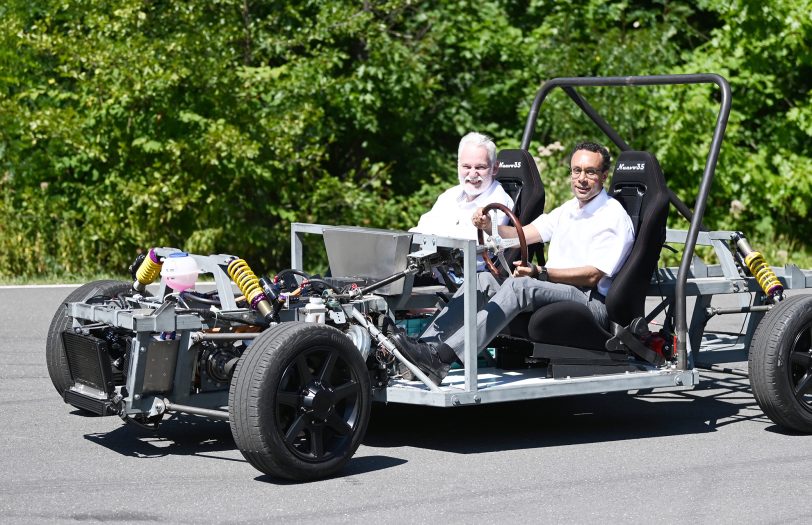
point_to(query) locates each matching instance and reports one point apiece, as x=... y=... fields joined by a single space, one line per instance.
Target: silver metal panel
x=134 y=402
x=140 y=320
x=702 y=239
x=159 y=366
x=297 y=229
x=367 y=253
x=726 y=260
x=496 y=386
x=793 y=277
x=705 y=286
x=470 y=312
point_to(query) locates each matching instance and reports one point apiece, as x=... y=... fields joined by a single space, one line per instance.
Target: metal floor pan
x=496 y=385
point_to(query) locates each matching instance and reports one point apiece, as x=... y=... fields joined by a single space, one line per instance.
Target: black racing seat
x=520 y=178
x=638 y=184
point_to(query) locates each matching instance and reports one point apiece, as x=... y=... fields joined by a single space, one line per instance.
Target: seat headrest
x=516 y=164
x=519 y=176
x=635 y=166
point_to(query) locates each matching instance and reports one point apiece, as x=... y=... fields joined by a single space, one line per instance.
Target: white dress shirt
x=600 y=234
x=451 y=214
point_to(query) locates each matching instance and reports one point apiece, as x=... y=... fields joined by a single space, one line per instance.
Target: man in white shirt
x=452 y=212
x=589 y=236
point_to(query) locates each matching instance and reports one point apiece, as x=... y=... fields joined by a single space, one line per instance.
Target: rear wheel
x=96 y=291
x=299 y=401
x=780 y=364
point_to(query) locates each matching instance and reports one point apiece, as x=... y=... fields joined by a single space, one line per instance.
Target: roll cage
x=570 y=87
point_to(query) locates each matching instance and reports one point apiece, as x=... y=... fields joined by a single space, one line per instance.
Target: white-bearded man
x=476 y=169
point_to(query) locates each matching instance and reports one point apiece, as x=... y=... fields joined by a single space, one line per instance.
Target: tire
x=54 y=351
x=780 y=364
x=299 y=401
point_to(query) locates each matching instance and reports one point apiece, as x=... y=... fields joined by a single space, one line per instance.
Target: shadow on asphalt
x=197 y=436
x=180 y=435
x=356 y=466
x=564 y=421
x=717 y=401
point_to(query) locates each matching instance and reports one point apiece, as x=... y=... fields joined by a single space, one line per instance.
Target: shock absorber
x=148 y=271
x=764 y=274
x=247 y=282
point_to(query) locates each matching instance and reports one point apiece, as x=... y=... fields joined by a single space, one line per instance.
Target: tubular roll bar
x=569 y=86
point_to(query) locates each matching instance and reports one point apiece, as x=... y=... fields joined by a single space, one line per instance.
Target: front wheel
x=780 y=364
x=299 y=401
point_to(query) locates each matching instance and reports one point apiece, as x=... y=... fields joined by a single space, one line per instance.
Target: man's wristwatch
x=539 y=272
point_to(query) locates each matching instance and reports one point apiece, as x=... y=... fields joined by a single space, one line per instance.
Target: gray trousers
x=497 y=305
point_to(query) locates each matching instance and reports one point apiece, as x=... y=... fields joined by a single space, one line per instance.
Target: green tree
x=764 y=50
x=212 y=125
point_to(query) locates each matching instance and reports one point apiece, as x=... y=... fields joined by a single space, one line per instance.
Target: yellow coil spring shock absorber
x=247 y=282
x=148 y=271
x=759 y=268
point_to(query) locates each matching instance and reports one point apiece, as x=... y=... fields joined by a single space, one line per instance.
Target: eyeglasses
x=591 y=173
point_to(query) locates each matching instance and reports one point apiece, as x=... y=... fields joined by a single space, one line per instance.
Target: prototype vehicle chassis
x=293 y=363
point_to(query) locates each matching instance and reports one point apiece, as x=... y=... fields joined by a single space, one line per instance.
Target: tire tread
x=263 y=360
x=767 y=362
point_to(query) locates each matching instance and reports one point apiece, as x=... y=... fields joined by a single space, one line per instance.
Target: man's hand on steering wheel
x=524 y=271
x=480 y=217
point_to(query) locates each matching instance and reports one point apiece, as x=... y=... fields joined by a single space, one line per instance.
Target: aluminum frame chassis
x=693 y=277
x=704 y=282
x=470 y=385
x=489 y=385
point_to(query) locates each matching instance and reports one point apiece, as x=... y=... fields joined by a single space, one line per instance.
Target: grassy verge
x=46 y=279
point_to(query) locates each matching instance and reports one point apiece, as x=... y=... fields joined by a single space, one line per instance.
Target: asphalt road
x=705 y=455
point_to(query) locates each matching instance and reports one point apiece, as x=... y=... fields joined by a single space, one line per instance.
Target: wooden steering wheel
x=497 y=244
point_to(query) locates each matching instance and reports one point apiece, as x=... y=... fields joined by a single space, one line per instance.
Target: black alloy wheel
x=318 y=404
x=299 y=401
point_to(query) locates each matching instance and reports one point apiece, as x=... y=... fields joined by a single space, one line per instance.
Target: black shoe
x=423 y=355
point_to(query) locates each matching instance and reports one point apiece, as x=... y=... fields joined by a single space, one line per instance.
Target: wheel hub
x=319 y=400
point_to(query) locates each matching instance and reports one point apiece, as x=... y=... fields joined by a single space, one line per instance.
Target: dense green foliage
x=212 y=125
